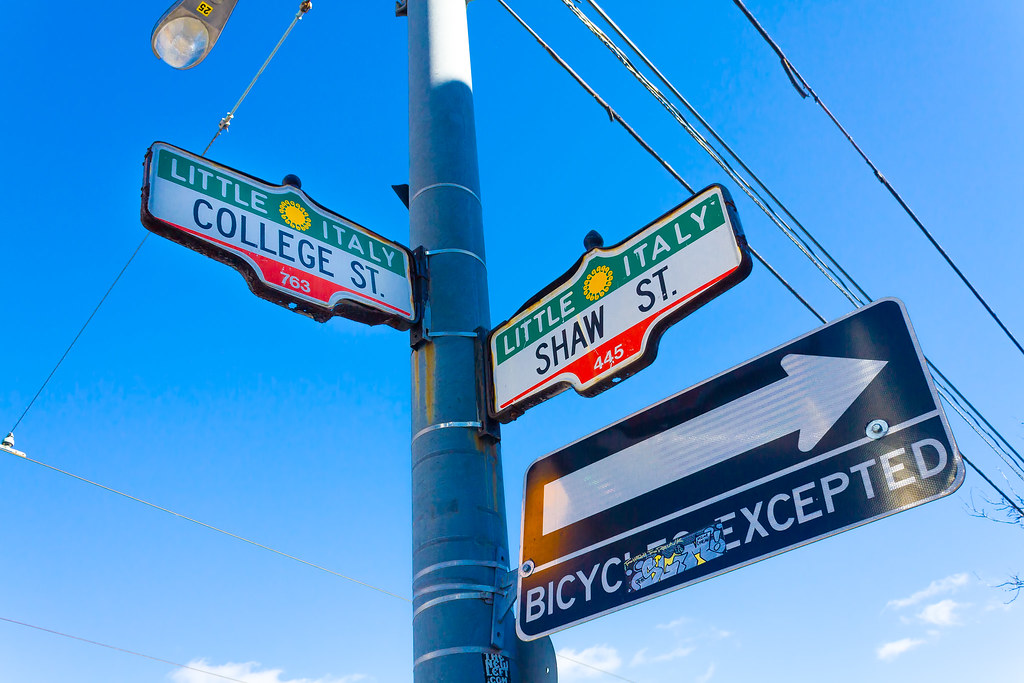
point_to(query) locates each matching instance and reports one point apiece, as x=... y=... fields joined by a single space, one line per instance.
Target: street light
x=186 y=32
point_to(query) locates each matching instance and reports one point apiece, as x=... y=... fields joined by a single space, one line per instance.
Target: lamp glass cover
x=182 y=42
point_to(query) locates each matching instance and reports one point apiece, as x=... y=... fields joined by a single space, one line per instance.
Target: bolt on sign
x=289 y=249
x=830 y=431
x=601 y=322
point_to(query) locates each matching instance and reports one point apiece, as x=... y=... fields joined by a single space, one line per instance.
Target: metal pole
x=459 y=534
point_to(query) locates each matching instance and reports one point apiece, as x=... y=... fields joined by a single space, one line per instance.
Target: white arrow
x=817 y=391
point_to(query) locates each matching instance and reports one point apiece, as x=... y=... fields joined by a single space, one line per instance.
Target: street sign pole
x=459 y=530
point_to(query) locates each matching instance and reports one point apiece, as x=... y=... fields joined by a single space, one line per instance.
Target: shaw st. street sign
x=601 y=322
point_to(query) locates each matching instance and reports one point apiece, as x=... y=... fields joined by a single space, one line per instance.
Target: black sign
x=832 y=430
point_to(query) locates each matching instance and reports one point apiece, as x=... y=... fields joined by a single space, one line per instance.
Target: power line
x=975 y=411
x=213 y=528
x=991 y=483
x=591 y=666
x=80 y=331
x=751 y=192
x=222 y=676
x=121 y=649
x=612 y=114
x=721 y=141
x=650 y=150
x=795 y=77
x=950 y=397
x=304 y=7
x=837 y=280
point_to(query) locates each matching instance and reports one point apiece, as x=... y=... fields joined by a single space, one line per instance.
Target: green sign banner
x=603 y=322
x=290 y=249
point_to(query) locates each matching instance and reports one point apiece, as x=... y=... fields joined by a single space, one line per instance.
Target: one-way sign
x=832 y=430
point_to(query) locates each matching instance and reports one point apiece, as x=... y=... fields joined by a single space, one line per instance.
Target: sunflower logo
x=294 y=215
x=598 y=282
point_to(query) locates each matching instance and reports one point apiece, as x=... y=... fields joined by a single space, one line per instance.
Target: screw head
x=876 y=429
x=527 y=568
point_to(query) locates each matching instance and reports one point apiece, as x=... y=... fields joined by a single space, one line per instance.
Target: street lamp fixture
x=187 y=31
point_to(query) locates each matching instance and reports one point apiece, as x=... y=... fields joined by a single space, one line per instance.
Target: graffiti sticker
x=678 y=555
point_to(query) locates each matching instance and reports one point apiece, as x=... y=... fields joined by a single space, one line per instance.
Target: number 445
x=609 y=358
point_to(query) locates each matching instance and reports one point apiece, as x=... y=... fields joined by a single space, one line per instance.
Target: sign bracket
x=418 y=335
x=504 y=598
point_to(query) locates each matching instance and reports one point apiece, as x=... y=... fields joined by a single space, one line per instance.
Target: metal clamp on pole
x=421 y=278
x=504 y=598
x=422 y=331
x=490 y=427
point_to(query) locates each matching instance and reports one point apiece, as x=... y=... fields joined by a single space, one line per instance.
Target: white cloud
x=250 y=672
x=1000 y=606
x=574 y=666
x=892 y=650
x=941 y=613
x=707 y=674
x=675 y=623
x=641 y=658
x=946 y=585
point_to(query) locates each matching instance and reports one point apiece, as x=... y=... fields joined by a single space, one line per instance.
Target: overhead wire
x=650 y=150
x=612 y=114
x=229 y=678
x=304 y=7
x=847 y=289
x=80 y=331
x=121 y=649
x=591 y=666
x=844 y=282
x=213 y=528
x=713 y=153
x=798 y=81
x=725 y=145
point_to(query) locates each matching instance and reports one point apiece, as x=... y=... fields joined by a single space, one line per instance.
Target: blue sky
x=189 y=392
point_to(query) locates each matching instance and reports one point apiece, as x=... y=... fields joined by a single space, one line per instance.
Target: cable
x=304 y=7
x=718 y=138
x=823 y=267
x=713 y=153
x=650 y=150
x=991 y=429
x=121 y=649
x=794 y=75
x=612 y=114
x=974 y=424
x=87 y=321
x=592 y=667
x=213 y=528
x=991 y=483
x=786 y=284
